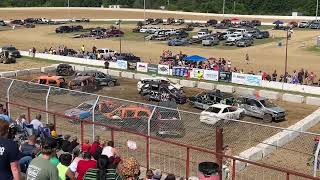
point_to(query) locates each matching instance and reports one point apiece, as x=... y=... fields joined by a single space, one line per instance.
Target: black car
x=101 y=78
x=263 y=34
x=205 y=99
x=256 y=23
x=2 y=23
x=16 y=22
x=162 y=92
x=64 y=70
x=30 y=21
x=149 y=21
x=130 y=58
x=166 y=120
x=63 y=29
x=157 y=21
x=212 y=22
x=12 y=51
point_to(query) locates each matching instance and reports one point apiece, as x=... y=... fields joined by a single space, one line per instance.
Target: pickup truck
x=200 y=35
x=235 y=37
x=210 y=41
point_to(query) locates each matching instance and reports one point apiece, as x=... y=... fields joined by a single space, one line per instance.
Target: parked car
x=157 y=21
x=235 y=37
x=304 y=24
x=256 y=22
x=130 y=58
x=16 y=22
x=114 y=33
x=178 y=42
x=200 y=35
x=64 y=70
x=210 y=41
x=212 y=22
x=163 y=80
x=82 y=111
x=149 y=21
x=169 y=21
x=14 y=52
x=205 y=99
x=245 y=42
x=63 y=29
x=179 y=22
x=263 y=34
x=261 y=107
x=218 y=112
x=2 y=23
x=29 y=25
x=166 y=120
x=101 y=78
x=181 y=34
x=315 y=26
x=157 y=91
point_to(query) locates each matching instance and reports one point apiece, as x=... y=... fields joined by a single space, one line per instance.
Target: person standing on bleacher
x=37 y=122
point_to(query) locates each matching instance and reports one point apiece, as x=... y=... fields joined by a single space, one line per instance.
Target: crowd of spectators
x=46 y=155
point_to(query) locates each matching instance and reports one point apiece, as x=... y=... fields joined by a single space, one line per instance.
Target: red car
x=114 y=33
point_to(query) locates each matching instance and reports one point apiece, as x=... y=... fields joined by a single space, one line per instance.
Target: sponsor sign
x=238 y=78
x=122 y=64
x=163 y=69
x=194 y=73
x=153 y=68
x=211 y=75
x=179 y=71
x=225 y=76
x=253 y=80
x=142 y=67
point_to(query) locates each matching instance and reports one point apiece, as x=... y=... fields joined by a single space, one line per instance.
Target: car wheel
x=111 y=84
x=267 y=118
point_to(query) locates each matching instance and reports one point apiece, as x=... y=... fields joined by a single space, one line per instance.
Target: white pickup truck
x=200 y=35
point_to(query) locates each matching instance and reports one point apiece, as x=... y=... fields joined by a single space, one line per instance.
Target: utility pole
x=223 y=6
x=144 y=10
x=234 y=6
x=317 y=9
x=68 y=3
x=168 y=2
x=286 y=60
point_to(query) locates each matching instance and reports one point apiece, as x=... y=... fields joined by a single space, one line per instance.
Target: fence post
x=81 y=132
x=288 y=176
x=54 y=122
x=149 y=121
x=188 y=163
x=93 y=120
x=233 y=169
x=315 y=164
x=148 y=152
x=219 y=149
x=47 y=104
x=112 y=135
x=29 y=114
x=8 y=98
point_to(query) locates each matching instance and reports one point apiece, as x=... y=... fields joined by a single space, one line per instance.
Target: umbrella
x=278 y=22
x=195 y=58
x=235 y=19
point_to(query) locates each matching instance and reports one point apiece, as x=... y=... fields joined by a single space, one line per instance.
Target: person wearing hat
x=40 y=168
x=157 y=174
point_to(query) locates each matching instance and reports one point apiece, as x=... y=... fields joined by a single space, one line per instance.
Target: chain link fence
x=162 y=122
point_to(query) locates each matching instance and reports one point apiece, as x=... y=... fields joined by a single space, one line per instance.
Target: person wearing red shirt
x=85 y=164
x=95 y=145
x=86 y=146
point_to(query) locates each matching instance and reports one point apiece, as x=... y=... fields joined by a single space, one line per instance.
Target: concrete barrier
x=246 y=91
x=114 y=73
x=225 y=88
x=293 y=98
x=269 y=94
x=22 y=72
x=139 y=76
x=34 y=70
x=205 y=85
x=79 y=68
x=47 y=69
x=252 y=154
x=128 y=75
x=187 y=83
x=267 y=147
x=313 y=101
x=240 y=165
x=8 y=74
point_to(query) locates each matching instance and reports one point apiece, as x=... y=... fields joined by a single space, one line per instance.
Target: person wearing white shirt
x=37 y=122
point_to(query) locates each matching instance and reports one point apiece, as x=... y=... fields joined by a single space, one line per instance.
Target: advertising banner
x=253 y=80
x=194 y=72
x=225 y=76
x=153 y=68
x=142 y=67
x=211 y=75
x=238 y=78
x=122 y=64
x=163 y=69
x=179 y=71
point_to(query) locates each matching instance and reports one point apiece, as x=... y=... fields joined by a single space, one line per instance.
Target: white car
x=200 y=35
x=234 y=37
x=219 y=112
x=144 y=29
x=158 y=79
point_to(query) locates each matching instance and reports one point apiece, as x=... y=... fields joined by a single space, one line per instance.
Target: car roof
x=155 y=78
x=253 y=97
x=222 y=106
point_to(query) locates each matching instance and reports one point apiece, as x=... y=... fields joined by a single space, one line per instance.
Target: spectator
x=29 y=148
x=106 y=64
x=247 y=58
x=74 y=143
x=65 y=143
x=4 y=116
x=65 y=161
x=129 y=169
x=149 y=175
x=199 y=75
x=94 y=49
x=95 y=145
x=40 y=168
x=86 y=146
x=311 y=78
x=73 y=166
x=85 y=164
x=9 y=154
x=34 y=52
x=274 y=75
x=300 y=76
x=106 y=170
x=109 y=150
x=37 y=122
x=229 y=65
x=306 y=75
x=157 y=174
x=170 y=177
x=21 y=121
x=83 y=50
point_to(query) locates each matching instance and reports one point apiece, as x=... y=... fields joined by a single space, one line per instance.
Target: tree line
x=274 y=7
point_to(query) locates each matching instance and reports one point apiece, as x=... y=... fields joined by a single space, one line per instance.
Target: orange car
x=129 y=112
x=57 y=81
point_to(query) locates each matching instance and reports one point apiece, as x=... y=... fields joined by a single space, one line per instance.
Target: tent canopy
x=278 y=22
x=235 y=19
x=195 y=58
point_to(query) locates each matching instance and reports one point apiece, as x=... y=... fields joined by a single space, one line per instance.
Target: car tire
x=111 y=84
x=267 y=118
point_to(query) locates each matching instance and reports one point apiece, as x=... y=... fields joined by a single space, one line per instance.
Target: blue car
x=177 y=42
